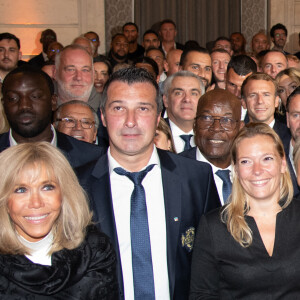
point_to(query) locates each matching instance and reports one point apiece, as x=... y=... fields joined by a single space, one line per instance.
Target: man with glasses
x=94 y=38
x=278 y=35
x=77 y=119
x=217 y=123
x=28 y=102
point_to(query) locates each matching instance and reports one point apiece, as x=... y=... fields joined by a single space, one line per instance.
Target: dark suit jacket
x=189 y=192
x=37 y=61
x=77 y=152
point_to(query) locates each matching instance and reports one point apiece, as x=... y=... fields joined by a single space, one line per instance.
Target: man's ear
x=165 y=100
x=20 y=55
x=102 y=118
x=244 y=103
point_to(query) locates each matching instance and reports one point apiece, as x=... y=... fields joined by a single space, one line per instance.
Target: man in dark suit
x=182 y=92
x=47 y=37
x=293 y=123
x=167 y=33
x=175 y=192
x=259 y=96
x=28 y=101
x=217 y=123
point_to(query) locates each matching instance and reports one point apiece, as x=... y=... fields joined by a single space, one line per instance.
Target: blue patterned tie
x=140 y=239
x=186 y=138
x=227 y=185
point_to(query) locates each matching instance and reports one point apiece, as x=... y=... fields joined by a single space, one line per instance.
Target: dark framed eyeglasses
x=205 y=122
x=71 y=123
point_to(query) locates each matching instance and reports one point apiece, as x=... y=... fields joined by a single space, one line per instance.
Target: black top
x=222 y=269
x=87 y=272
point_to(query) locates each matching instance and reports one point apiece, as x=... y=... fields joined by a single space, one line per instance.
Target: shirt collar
x=13 y=142
x=112 y=163
x=176 y=131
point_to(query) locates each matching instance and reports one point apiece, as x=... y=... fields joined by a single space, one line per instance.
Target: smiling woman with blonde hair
x=250 y=248
x=48 y=246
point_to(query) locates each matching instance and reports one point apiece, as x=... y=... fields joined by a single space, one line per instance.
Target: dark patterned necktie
x=227 y=185
x=187 y=139
x=140 y=238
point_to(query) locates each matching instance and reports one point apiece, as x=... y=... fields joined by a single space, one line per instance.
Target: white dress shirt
x=218 y=180
x=121 y=189
x=178 y=141
x=13 y=142
x=291 y=156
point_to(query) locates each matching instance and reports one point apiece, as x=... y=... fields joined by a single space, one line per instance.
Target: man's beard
x=30 y=132
x=66 y=95
x=119 y=57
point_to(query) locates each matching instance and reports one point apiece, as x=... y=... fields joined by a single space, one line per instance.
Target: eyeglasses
x=205 y=122
x=280 y=35
x=53 y=50
x=71 y=123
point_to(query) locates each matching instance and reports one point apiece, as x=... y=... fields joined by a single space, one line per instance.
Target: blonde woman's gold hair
x=233 y=214
x=70 y=227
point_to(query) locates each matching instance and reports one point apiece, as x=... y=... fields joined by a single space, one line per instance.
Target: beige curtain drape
x=200 y=20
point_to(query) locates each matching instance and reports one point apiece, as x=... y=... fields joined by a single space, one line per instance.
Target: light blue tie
x=140 y=238
x=227 y=185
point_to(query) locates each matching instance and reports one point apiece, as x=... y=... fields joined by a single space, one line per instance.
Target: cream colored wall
x=68 y=18
x=287 y=12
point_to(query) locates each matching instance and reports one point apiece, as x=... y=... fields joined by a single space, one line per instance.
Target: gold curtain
x=200 y=20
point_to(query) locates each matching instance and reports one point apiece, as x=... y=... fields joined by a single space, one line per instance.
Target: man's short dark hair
x=187 y=51
x=291 y=96
x=157 y=49
x=220 y=50
x=130 y=76
x=150 y=31
x=92 y=32
x=222 y=38
x=258 y=76
x=167 y=21
x=242 y=65
x=29 y=69
x=116 y=35
x=10 y=36
x=131 y=24
x=276 y=27
x=149 y=61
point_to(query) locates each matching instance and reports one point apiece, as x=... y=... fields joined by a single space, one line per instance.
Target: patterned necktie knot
x=187 y=141
x=227 y=185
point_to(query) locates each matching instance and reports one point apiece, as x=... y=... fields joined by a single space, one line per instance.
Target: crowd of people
x=157 y=171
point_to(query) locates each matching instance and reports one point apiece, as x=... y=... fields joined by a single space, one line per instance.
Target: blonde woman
x=48 y=247
x=250 y=249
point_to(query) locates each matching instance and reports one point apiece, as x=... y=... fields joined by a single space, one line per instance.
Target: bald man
x=217 y=123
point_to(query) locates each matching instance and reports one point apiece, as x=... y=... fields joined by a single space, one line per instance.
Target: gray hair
x=168 y=82
x=78 y=102
x=72 y=47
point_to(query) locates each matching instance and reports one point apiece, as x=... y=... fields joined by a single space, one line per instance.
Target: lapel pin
x=176 y=219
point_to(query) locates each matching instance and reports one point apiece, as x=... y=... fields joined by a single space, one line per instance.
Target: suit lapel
x=103 y=208
x=172 y=198
x=4 y=141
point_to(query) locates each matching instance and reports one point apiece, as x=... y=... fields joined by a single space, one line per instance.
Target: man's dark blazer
x=77 y=152
x=37 y=61
x=283 y=131
x=189 y=192
x=290 y=166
